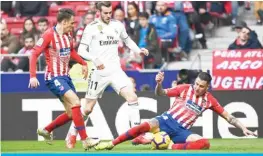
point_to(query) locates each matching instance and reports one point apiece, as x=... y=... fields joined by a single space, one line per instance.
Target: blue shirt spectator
x=164 y=22
x=143 y=34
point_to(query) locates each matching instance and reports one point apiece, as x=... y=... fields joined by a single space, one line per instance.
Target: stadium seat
x=4 y=15
x=54 y=10
x=81 y=10
x=76 y=3
x=13 y=22
x=16 y=31
x=52 y=20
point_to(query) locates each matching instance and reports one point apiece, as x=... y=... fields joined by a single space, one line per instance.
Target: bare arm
x=159 y=88
x=235 y=122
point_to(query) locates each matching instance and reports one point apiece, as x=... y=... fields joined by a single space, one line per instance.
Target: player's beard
x=105 y=20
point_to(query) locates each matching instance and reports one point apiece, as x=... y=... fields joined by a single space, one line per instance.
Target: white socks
x=134 y=114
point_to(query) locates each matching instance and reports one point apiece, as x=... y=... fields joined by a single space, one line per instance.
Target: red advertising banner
x=237 y=69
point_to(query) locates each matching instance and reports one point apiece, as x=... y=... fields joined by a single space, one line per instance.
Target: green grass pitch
x=217 y=146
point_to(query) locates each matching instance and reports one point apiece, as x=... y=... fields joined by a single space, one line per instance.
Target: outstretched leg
x=151 y=125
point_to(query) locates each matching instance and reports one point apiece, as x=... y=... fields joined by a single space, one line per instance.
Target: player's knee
x=75 y=102
x=69 y=113
x=132 y=98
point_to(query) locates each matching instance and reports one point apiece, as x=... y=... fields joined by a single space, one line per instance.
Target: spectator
x=119 y=15
x=166 y=28
x=86 y=19
x=205 y=17
x=146 y=37
x=20 y=64
x=9 y=43
x=42 y=25
x=193 y=19
x=244 y=41
x=23 y=63
x=29 y=27
x=150 y=7
x=31 y=8
x=252 y=35
x=133 y=22
x=92 y=6
x=239 y=25
x=259 y=11
x=185 y=44
x=235 y=6
x=185 y=76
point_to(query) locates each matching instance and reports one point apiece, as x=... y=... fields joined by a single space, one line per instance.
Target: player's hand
x=159 y=77
x=249 y=133
x=99 y=64
x=33 y=83
x=85 y=71
x=144 y=51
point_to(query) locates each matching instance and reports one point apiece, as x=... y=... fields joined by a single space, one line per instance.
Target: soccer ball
x=160 y=141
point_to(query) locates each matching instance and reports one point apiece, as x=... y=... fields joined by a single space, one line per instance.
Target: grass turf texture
x=217 y=146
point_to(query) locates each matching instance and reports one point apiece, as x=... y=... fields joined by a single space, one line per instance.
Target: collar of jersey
x=54 y=28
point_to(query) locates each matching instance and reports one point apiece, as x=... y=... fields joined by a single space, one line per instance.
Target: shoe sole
x=49 y=142
x=92 y=146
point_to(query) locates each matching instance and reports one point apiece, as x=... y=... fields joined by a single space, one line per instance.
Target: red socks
x=59 y=121
x=199 y=144
x=79 y=122
x=132 y=133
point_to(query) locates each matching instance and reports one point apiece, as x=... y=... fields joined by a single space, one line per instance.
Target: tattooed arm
x=159 y=90
x=235 y=122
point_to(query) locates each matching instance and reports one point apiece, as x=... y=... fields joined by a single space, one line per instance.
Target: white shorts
x=97 y=83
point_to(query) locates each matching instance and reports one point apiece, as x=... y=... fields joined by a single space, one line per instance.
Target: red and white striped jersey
x=58 y=50
x=188 y=107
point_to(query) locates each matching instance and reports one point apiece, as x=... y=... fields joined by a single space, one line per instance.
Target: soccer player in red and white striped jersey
x=57 y=45
x=191 y=101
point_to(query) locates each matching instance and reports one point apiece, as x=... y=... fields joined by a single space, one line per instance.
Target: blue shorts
x=60 y=85
x=176 y=132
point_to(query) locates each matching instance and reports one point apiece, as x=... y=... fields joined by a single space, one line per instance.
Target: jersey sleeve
x=127 y=40
x=87 y=35
x=85 y=43
x=40 y=46
x=176 y=91
x=123 y=34
x=216 y=107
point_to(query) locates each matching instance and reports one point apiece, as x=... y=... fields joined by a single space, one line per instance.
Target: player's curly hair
x=102 y=3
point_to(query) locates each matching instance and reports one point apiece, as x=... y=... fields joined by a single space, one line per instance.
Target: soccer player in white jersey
x=99 y=44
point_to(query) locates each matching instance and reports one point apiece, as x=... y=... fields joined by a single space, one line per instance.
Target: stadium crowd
x=167 y=30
